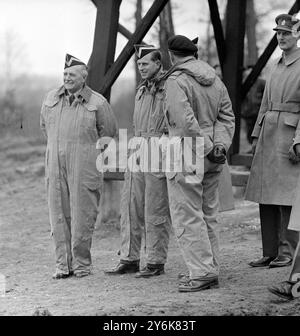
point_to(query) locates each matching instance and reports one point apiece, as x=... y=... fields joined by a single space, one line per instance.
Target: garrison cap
x=287 y=22
x=142 y=50
x=195 y=40
x=71 y=61
x=181 y=45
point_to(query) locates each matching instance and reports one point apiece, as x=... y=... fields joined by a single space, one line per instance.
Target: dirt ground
x=27 y=259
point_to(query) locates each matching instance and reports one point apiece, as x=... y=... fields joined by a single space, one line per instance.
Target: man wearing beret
x=144 y=202
x=276 y=147
x=197 y=105
x=73 y=118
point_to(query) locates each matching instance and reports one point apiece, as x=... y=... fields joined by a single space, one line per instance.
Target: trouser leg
x=185 y=201
x=84 y=211
x=250 y=123
x=269 y=221
x=157 y=218
x=211 y=207
x=132 y=216
x=59 y=211
x=288 y=239
x=67 y=215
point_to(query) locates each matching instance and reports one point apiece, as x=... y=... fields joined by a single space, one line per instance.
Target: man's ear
x=158 y=62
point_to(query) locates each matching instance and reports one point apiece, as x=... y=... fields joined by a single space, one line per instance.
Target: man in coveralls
x=73 y=118
x=144 y=202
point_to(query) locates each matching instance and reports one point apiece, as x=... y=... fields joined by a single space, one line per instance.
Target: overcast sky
x=48 y=29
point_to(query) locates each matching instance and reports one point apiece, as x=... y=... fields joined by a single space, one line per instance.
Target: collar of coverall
x=153 y=81
x=85 y=93
x=291 y=58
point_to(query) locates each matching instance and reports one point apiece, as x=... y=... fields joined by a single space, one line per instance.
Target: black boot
x=124 y=267
x=151 y=270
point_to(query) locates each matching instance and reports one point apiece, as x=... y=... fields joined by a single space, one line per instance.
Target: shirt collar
x=84 y=94
x=291 y=58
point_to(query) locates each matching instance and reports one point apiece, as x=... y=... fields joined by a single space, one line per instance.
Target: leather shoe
x=196 y=285
x=123 y=268
x=148 y=272
x=61 y=275
x=81 y=274
x=262 y=262
x=280 y=261
x=283 y=289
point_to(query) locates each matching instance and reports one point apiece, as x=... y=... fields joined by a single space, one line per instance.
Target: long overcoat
x=273 y=177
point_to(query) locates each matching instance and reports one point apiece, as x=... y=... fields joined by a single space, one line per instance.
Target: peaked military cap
x=287 y=22
x=142 y=50
x=71 y=61
x=181 y=45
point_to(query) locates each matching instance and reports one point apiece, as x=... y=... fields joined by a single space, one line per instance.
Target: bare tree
x=251 y=21
x=166 y=30
x=138 y=18
x=13 y=63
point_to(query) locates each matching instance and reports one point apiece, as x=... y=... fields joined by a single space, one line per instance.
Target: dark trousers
x=250 y=123
x=277 y=240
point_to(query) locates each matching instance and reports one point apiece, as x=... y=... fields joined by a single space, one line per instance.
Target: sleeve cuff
x=222 y=144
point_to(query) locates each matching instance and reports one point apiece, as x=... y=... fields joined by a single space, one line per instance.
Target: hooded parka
x=197 y=105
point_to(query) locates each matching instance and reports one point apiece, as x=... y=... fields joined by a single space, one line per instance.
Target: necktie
x=71 y=99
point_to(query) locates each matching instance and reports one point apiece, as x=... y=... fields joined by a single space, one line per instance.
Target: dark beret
x=181 y=45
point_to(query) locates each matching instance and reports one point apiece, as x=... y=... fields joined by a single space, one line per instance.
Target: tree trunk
x=208 y=43
x=252 y=54
x=166 y=30
x=138 y=18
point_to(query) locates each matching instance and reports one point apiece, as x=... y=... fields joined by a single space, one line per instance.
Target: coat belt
x=284 y=107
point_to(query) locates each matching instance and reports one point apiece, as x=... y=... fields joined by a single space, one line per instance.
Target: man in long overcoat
x=275 y=168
